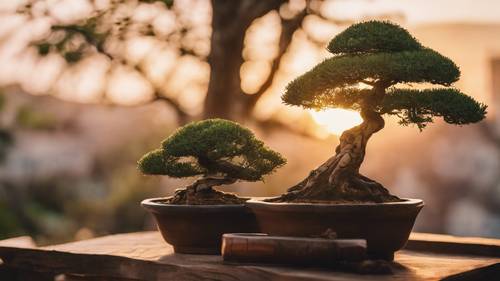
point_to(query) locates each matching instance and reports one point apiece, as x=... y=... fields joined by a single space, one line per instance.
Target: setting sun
x=335 y=121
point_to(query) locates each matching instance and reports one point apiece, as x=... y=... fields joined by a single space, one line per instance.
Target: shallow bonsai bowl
x=198 y=229
x=385 y=226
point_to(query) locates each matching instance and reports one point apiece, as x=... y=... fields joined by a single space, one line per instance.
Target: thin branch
x=288 y=29
x=276 y=124
x=183 y=115
x=210 y=181
x=159 y=96
x=189 y=52
x=89 y=38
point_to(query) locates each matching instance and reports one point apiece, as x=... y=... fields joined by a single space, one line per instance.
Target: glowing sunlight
x=336 y=120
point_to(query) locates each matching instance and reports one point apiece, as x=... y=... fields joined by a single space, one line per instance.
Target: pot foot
x=197 y=250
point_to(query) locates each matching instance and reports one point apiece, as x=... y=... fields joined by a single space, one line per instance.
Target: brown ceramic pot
x=198 y=229
x=385 y=226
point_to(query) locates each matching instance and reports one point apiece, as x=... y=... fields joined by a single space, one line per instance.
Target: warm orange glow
x=335 y=121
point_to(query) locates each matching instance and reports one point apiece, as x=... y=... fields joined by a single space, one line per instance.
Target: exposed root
x=202 y=193
x=204 y=197
x=358 y=189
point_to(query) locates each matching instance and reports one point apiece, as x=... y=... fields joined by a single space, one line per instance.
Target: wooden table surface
x=145 y=256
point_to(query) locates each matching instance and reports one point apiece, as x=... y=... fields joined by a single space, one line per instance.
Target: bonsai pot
x=198 y=229
x=385 y=226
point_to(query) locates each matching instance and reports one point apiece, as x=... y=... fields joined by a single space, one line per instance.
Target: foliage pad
x=373 y=36
x=420 y=106
x=213 y=147
x=383 y=55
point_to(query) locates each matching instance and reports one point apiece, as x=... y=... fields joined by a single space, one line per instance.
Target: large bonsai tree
x=219 y=151
x=371 y=61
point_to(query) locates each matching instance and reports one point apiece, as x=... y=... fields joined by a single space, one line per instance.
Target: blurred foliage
x=60 y=208
x=9 y=224
x=181 y=30
x=6 y=138
x=111 y=26
x=3 y=101
x=29 y=118
x=55 y=210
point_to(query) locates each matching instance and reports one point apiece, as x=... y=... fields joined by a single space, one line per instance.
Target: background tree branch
x=288 y=28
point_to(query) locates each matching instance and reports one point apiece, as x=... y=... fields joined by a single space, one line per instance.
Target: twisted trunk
x=338 y=179
x=201 y=192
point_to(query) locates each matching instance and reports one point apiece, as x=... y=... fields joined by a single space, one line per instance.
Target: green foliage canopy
x=212 y=147
x=371 y=37
x=382 y=54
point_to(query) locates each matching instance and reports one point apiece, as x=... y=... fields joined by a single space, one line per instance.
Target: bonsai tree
x=372 y=63
x=216 y=150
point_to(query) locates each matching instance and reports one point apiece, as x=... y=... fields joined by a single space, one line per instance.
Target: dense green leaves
x=153 y=163
x=347 y=98
x=158 y=162
x=212 y=147
x=424 y=65
x=215 y=138
x=371 y=37
x=420 y=106
x=380 y=55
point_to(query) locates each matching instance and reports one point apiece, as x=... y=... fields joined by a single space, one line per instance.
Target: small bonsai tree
x=219 y=152
x=371 y=60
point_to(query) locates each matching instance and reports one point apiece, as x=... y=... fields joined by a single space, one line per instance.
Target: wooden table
x=145 y=256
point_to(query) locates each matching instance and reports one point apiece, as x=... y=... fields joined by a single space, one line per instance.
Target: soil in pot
x=203 y=197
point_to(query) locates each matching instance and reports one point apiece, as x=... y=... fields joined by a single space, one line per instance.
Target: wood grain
x=18 y=242
x=447 y=244
x=145 y=256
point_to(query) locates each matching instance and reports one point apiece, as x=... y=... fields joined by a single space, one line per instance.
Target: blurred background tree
x=132 y=52
x=182 y=30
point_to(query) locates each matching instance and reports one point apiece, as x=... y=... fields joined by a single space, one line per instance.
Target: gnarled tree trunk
x=201 y=192
x=338 y=179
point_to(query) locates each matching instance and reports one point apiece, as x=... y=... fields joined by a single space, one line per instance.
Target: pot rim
x=153 y=204
x=408 y=202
